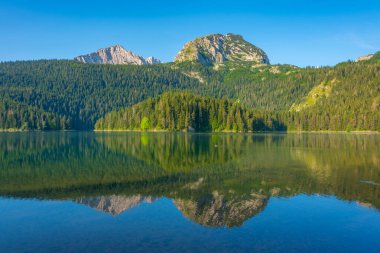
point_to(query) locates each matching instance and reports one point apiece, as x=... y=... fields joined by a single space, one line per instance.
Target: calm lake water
x=166 y=192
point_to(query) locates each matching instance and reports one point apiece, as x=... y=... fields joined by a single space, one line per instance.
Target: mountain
x=218 y=48
x=151 y=60
x=116 y=55
x=51 y=94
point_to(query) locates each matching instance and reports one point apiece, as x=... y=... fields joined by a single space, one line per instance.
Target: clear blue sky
x=300 y=32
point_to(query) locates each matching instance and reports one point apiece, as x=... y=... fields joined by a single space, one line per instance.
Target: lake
x=176 y=192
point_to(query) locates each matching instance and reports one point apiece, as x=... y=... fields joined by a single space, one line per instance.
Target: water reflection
x=215 y=180
x=114 y=204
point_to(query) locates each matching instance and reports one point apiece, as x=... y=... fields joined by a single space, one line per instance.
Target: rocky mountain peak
x=152 y=60
x=116 y=54
x=219 y=48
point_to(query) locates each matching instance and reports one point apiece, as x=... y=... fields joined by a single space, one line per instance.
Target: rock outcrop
x=218 y=48
x=364 y=57
x=116 y=55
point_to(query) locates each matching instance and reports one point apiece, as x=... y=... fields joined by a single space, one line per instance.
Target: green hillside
x=53 y=94
x=78 y=94
x=341 y=98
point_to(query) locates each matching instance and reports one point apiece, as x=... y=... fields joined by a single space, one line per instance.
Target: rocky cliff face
x=218 y=48
x=114 y=204
x=116 y=55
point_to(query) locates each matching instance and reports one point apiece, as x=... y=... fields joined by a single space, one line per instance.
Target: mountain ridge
x=116 y=55
x=66 y=94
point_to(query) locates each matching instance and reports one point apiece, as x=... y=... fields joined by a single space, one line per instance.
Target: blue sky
x=297 y=32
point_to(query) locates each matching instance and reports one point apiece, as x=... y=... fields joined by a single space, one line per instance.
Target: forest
x=175 y=111
x=76 y=94
x=62 y=94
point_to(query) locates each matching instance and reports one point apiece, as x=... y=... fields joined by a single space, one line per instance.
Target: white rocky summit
x=152 y=60
x=116 y=55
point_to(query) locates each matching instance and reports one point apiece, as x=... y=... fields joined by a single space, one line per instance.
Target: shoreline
x=193 y=132
x=250 y=132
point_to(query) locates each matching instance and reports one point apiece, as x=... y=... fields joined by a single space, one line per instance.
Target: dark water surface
x=166 y=192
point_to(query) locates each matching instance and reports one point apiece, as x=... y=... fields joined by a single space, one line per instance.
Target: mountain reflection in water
x=114 y=204
x=216 y=180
